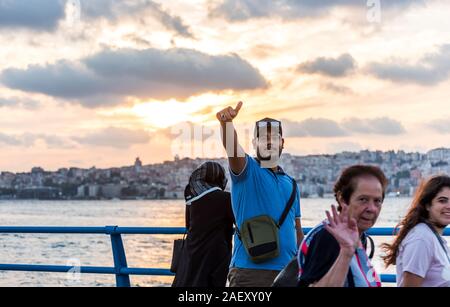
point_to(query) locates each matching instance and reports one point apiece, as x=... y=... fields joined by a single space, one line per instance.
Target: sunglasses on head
x=272 y=125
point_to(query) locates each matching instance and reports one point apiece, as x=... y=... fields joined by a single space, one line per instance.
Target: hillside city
x=314 y=173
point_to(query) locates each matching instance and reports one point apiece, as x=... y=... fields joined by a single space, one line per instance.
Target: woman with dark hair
x=333 y=254
x=419 y=251
x=209 y=223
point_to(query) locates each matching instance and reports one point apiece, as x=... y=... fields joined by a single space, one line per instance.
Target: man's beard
x=268 y=159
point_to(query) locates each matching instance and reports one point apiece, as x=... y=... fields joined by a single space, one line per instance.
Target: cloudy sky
x=100 y=82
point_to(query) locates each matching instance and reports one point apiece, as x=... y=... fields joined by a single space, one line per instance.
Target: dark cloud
x=333 y=67
x=174 y=23
x=108 y=137
x=109 y=77
x=382 y=126
x=40 y=15
x=62 y=79
x=441 y=126
x=30 y=139
x=113 y=10
x=429 y=70
x=241 y=10
x=9 y=140
x=138 y=40
x=114 y=137
x=321 y=127
x=15 y=102
x=54 y=141
x=313 y=127
x=44 y=15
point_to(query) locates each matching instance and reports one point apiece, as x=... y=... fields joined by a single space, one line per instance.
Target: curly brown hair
x=417 y=213
x=346 y=184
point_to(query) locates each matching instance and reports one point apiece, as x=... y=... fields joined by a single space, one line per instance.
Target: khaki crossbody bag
x=260 y=234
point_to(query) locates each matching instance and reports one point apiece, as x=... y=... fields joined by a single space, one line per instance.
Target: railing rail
x=121 y=269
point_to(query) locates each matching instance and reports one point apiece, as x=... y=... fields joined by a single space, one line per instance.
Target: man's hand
x=235 y=153
x=228 y=114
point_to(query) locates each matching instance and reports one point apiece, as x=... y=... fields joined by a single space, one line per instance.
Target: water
x=146 y=251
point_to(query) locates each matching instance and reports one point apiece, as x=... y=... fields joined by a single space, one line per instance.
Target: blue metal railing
x=121 y=269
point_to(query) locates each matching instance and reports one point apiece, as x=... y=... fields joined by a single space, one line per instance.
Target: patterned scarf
x=208 y=177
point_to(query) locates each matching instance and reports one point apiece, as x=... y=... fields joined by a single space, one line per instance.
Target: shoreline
x=149 y=199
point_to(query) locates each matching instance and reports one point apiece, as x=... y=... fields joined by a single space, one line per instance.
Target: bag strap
x=289 y=203
x=365 y=238
x=372 y=247
x=350 y=279
x=441 y=242
x=236 y=230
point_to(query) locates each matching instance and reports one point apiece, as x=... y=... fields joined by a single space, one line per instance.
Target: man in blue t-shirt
x=259 y=186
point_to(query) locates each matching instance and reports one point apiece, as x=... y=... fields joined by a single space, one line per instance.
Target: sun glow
x=163 y=114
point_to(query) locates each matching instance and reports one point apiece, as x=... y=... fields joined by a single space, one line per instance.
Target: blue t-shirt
x=260 y=191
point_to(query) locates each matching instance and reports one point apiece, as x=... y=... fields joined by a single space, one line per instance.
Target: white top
x=421 y=254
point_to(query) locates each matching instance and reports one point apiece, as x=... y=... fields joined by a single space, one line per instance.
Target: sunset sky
x=100 y=82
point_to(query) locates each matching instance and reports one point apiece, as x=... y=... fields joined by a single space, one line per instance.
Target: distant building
x=39 y=193
x=138 y=165
x=439 y=154
x=37 y=170
x=89 y=191
x=112 y=190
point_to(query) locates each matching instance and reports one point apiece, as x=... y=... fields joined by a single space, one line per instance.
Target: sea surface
x=143 y=251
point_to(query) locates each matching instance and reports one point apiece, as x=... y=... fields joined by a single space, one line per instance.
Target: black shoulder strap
x=289 y=203
x=350 y=280
x=372 y=247
x=364 y=239
x=236 y=230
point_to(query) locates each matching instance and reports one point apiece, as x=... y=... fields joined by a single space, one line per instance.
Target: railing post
x=120 y=260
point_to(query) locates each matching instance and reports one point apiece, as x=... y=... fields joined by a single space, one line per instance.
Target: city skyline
x=316 y=175
x=224 y=158
x=107 y=81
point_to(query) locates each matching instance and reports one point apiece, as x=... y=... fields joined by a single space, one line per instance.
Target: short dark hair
x=267 y=120
x=346 y=183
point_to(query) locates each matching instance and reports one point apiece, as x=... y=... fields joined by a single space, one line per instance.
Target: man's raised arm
x=235 y=153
